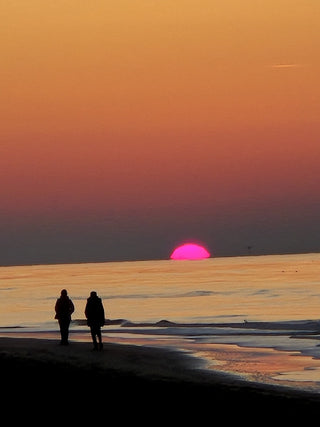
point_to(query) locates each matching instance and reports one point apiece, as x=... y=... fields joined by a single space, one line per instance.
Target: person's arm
x=102 y=314
x=56 y=309
x=71 y=307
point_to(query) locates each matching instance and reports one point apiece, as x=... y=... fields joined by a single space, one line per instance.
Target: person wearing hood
x=94 y=312
x=64 y=308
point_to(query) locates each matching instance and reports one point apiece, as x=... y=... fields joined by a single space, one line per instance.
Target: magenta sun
x=190 y=251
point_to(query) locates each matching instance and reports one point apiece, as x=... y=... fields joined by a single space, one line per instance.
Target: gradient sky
x=129 y=127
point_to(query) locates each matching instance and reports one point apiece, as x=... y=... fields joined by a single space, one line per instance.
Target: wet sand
x=139 y=382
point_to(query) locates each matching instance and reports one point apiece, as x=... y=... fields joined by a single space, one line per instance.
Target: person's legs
x=99 y=335
x=94 y=337
x=64 y=330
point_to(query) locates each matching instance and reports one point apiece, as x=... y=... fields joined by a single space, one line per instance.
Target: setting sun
x=190 y=251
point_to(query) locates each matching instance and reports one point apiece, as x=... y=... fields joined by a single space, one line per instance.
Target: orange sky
x=203 y=110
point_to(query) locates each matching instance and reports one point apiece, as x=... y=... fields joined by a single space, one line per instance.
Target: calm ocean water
x=266 y=308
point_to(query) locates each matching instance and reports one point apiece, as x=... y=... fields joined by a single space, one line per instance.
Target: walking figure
x=64 y=308
x=94 y=312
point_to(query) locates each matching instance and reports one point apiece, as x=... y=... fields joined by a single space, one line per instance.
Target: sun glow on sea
x=190 y=251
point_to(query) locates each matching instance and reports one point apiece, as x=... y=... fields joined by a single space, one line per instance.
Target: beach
x=131 y=379
x=183 y=340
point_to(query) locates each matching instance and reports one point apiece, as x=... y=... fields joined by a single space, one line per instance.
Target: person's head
x=64 y=293
x=93 y=294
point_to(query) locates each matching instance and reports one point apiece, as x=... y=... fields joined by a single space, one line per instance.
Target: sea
x=254 y=317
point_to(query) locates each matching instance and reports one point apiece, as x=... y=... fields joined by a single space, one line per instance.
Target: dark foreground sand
x=134 y=383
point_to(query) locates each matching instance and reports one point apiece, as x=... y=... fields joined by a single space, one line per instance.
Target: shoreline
x=137 y=375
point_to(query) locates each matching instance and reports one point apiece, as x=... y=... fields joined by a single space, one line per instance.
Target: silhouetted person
x=94 y=313
x=64 y=308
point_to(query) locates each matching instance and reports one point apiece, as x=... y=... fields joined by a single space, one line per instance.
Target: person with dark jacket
x=64 y=308
x=94 y=312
